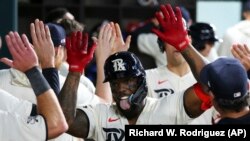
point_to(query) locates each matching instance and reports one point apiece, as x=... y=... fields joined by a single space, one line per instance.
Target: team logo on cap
x=118 y=65
x=63 y=41
x=237 y=94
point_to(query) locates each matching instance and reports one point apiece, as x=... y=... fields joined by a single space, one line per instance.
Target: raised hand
x=43 y=44
x=173 y=30
x=78 y=52
x=105 y=42
x=242 y=53
x=24 y=56
x=119 y=44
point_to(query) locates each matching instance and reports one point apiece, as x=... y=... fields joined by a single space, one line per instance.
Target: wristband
x=52 y=77
x=206 y=99
x=37 y=81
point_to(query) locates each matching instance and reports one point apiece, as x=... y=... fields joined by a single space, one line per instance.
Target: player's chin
x=131 y=112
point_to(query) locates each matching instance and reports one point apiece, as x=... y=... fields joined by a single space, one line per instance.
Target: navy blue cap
x=57 y=33
x=226 y=78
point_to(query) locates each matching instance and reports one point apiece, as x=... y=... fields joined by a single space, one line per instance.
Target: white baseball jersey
x=107 y=124
x=18 y=85
x=15 y=120
x=15 y=127
x=147 y=43
x=12 y=104
x=162 y=82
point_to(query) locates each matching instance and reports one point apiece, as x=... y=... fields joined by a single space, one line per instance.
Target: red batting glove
x=173 y=29
x=78 y=53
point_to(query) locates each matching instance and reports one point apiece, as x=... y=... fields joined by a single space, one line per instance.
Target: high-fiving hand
x=24 y=56
x=173 y=30
x=78 y=52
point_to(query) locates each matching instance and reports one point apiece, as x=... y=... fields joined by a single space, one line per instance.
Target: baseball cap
x=226 y=78
x=203 y=32
x=57 y=34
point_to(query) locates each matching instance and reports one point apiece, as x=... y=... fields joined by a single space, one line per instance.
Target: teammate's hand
x=24 y=56
x=78 y=52
x=173 y=29
x=242 y=53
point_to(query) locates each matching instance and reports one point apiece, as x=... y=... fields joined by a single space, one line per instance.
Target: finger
x=7 y=61
x=33 y=33
x=238 y=51
x=159 y=17
x=112 y=40
x=15 y=46
x=233 y=50
x=247 y=49
x=26 y=42
x=127 y=43
x=79 y=40
x=100 y=36
x=37 y=30
x=47 y=33
x=165 y=12
x=92 y=49
x=10 y=45
x=94 y=39
x=109 y=33
x=179 y=17
x=113 y=29
x=19 y=43
x=105 y=32
x=118 y=31
x=171 y=13
x=85 y=39
x=68 y=43
x=73 y=41
x=43 y=35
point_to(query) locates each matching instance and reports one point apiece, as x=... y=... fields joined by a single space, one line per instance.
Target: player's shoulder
x=159 y=69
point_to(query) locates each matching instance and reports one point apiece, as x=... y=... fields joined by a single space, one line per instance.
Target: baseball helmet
x=123 y=64
x=202 y=32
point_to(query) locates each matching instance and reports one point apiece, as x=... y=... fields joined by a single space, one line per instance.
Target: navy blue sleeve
x=51 y=75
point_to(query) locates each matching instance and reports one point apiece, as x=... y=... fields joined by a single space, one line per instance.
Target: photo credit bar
x=197 y=132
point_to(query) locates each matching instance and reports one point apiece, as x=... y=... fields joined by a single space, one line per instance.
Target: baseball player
x=204 y=38
x=16 y=82
x=127 y=78
x=15 y=113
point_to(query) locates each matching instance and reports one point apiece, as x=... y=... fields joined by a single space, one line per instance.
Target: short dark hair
x=55 y=14
x=71 y=26
x=235 y=105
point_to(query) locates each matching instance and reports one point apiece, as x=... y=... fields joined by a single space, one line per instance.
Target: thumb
x=7 y=61
x=159 y=34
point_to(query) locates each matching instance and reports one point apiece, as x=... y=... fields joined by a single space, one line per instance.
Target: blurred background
x=18 y=14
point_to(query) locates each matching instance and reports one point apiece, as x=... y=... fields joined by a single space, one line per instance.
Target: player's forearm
x=195 y=60
x=47 y=103
x=103 y=90
x=51 y=75
x=49 y=107
x=68 y=96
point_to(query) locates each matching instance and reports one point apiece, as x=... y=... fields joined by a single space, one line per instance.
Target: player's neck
x=235 y=114
x=180 y=70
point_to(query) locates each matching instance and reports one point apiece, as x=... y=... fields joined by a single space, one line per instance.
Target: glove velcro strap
x=37 y=81
x=206 y=99
x=183 y=45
